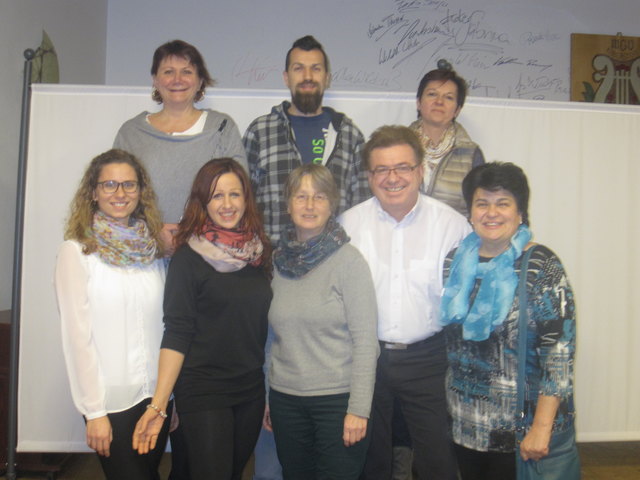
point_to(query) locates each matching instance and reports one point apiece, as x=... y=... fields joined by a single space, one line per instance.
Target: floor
x=85 y=466
x=610 y=461
x=600 y=461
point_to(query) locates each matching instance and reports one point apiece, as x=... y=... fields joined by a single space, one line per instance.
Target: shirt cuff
x=94 y=415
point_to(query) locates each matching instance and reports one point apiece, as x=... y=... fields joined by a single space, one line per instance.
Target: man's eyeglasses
x=399 y=170
x=111 y=186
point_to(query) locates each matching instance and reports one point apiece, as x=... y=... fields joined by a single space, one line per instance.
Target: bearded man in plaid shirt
x=303 y=131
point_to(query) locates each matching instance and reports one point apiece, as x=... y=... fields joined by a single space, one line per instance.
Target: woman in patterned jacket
x=481 y=308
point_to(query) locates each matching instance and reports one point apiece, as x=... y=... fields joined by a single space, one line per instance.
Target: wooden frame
x=605 y=68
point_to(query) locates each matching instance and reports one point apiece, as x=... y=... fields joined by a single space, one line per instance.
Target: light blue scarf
x=497 y=287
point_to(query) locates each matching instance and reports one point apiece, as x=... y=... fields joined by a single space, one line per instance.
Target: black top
x=219 y=321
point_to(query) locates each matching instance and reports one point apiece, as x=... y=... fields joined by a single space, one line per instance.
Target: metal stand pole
x=17 y=270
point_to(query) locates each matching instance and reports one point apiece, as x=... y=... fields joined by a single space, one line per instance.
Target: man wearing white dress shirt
x=405 y=236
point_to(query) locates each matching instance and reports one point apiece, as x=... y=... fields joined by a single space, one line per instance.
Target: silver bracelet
x=162 y=413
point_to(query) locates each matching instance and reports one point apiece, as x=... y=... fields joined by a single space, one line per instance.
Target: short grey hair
x=321 y=178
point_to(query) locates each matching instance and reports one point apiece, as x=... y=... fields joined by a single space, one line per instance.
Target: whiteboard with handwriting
x=504 y=48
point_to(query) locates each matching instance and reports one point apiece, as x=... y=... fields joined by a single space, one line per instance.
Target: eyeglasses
x=111 y=186
x=399 y=170
x=303 y=198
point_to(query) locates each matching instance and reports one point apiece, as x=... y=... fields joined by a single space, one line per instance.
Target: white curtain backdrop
x=583 y=165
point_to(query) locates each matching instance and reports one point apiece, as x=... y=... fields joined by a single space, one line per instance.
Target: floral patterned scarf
x=123 y=245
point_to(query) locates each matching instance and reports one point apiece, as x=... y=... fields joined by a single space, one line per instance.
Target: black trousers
x=124 y=463
x=179 y=460
x=415 y=377
x=476 y=465
x=220 y=441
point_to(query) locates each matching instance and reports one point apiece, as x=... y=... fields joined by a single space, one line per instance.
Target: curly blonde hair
x=83 y=206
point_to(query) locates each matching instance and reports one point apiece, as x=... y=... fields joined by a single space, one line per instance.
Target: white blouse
x=111 y=329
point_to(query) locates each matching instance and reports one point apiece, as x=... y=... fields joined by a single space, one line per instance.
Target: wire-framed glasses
x=303 y=198
x=399 y=170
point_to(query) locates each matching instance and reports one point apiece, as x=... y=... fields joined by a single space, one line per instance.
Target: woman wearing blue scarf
x=480 y=307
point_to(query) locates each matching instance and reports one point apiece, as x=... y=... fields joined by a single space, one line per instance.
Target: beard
x=307 y=102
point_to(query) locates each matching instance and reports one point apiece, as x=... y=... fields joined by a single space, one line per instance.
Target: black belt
x=408 y=346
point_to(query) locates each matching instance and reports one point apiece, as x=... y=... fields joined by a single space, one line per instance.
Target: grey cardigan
x=173 y=160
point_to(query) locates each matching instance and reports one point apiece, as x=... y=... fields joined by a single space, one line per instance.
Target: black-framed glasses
x=111 y=186
x=399 y=170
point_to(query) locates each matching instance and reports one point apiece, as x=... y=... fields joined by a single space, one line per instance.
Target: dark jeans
x=124 y=463
x=308 y=433
x=220 y=441
x=476 y=465
x=416 y=378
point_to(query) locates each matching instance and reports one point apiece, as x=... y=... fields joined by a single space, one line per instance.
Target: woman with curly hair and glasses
x=109 y=281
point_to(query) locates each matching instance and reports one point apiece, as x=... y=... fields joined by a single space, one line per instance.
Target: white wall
x=504 y=48
x=250 y=36
x=78 y=29
x=584 y=212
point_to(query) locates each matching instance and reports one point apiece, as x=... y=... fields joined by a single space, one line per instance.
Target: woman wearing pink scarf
x=216 y=302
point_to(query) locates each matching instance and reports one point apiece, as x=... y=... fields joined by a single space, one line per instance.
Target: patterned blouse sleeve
x=553 y=311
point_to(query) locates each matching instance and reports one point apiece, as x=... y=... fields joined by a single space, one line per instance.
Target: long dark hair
x=195 y=212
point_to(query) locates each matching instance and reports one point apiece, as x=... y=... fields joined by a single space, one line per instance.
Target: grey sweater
x=173 y=160
x=325 y=331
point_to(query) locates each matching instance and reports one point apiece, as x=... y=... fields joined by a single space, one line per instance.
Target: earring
x=155 y=95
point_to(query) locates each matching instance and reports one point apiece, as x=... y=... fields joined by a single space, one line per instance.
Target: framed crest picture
x=605 y=69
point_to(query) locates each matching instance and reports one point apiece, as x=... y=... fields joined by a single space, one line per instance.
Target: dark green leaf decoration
x=588 y=94
x=45 y=64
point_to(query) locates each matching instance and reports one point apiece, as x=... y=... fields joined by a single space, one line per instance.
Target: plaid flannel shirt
x=272 y=154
